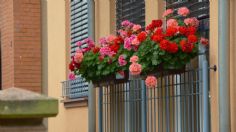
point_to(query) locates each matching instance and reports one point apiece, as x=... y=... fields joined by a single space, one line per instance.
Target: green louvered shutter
x=132 y=10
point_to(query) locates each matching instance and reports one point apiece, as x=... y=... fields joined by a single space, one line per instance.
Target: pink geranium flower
x=135 y=42
x=135 y=69
x=183 y=11
x=78 y=57
x=122 y=33
x=111 y=38
x=204 y=41
x=127 y=23
x=121 y=60
x=172 y=23
x=191 y=22
x=71 y=76
x=136 y=27
x=106 y=51
x=151 y=82
x=90 y=42
x=127 y=44
x=167 y=12
x=134 y=59
x=79 y=43
x=103 y=41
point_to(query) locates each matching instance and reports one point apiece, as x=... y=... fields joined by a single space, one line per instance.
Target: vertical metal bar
x=92 y=108
x=116 y=107
x=223 y=62
x=192 y=96
x=100 y=114
x=91 y=90
x=158 y=104
x=184 y=107
x=205 y=96
x=167 y=102
x=143 y=109
x=105 y=109
x=197 y=102
x=155 y=98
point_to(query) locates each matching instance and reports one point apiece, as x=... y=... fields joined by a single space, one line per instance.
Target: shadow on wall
x=44 y=22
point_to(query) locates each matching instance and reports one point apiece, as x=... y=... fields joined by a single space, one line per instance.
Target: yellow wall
x=214 y=61
x=54 y=67
x=233 y=65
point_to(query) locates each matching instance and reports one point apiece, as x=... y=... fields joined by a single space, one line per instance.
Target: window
x=79 y=25
x=132 y=10
x=80 y=29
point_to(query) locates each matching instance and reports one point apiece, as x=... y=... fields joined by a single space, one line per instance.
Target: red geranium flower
x=186 y=47
x=157 y=38
x=129 y=33
x=118 y=40
x=96 y=50
x=171 y=31
x=77 y=65
x=182 y=30
x=173 y=48
x=164 y=44
x=71 y=66
x=150 y=27
x=191 y=30
x=157 y=23
x=115 y=47
x=158 y=31
x=142 y=36
x=204 y=41
x=192 y=39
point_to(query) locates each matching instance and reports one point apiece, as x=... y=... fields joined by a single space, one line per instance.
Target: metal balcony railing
x=179 y=103
x=72 y=89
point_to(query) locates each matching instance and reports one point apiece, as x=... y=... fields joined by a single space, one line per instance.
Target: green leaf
x=154 y=62
x=161 y=52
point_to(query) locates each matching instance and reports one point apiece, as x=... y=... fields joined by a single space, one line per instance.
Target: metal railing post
x=100 y=119
x=205 y=94
x=143 y=107
x=92 y=108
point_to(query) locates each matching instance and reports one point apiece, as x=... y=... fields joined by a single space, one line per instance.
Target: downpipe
x=223 y=64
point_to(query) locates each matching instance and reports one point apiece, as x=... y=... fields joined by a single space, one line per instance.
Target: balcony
x=75 y=92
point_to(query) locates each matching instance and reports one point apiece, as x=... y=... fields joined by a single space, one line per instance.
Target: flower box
x=158 y=49
x=112 y=79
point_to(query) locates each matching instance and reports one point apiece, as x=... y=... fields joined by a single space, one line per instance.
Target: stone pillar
x=24 y=111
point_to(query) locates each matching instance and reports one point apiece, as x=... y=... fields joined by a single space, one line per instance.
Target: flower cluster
x=140 y=50
x=151 y=82
x=135 y=68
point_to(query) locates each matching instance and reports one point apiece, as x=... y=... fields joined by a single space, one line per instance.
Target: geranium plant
x=140 y=51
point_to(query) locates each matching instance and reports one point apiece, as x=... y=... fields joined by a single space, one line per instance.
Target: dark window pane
x=132 y=10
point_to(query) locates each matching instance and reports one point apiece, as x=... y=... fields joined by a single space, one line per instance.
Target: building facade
x=105 y=24
x=38 y=38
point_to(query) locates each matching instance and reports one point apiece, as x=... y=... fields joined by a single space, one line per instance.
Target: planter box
x=113 y=79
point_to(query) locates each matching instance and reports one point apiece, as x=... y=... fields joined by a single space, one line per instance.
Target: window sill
x=72 y=103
